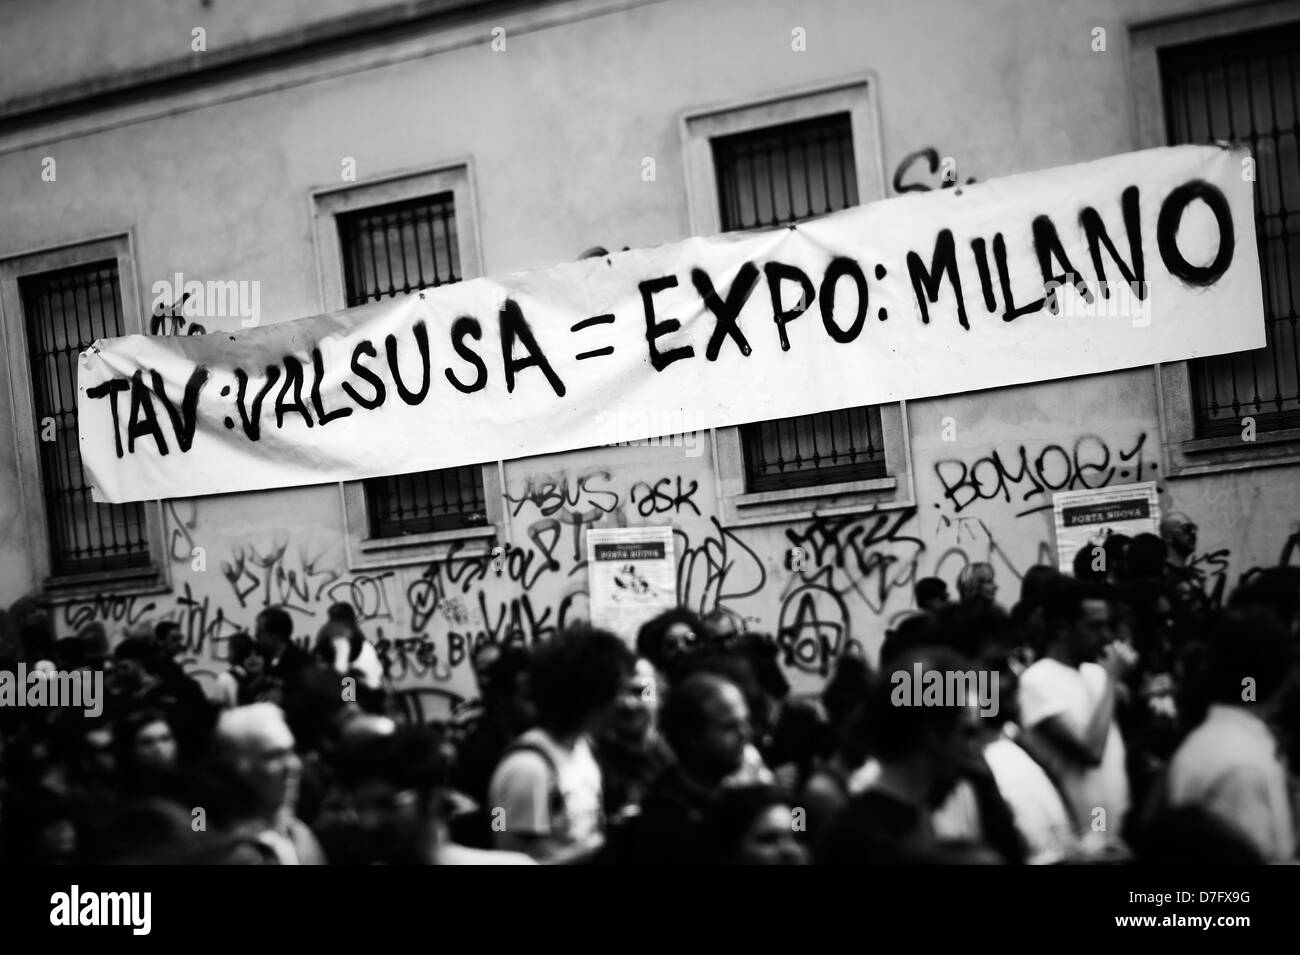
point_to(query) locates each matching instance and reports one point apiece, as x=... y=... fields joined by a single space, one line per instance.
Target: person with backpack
x=545 y=798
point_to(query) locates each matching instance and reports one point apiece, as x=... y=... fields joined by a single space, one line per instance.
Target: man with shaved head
x=255 y=748
x=1178 y=531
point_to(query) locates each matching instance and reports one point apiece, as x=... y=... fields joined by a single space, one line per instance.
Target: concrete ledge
x=273 y=52
x=821 y=490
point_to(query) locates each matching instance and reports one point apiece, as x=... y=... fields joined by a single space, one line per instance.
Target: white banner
x=943 y=292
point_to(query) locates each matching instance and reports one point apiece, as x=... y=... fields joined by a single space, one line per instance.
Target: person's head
x=706 y=722
x=331 y=646
x=94 y=637
x=274 y=630
x=1037 y=582
x=391 y=779
x=931 y=745
x=97 y=755
x=1146 y=557
x=135 y=662
x=344 y=616
x=719 y=627
x=846 y=689
x=312 y=705
x=754 y=825
x=170 y=637
x=931 y=593
x=1086 y=565
x=1077 y=621
x=637 y=706
x=1251 y=657
x=505 y=693
x=243 y=652
x=976 y=584
x=345 y=613
x=1273 y=588
x=971 y=628
x=575 y=677
x=145 y=741
x=665 y=639
x=1004 y=664
x=761 y=651
x=917 y=629
x=1116 y=548
x=69 y=653
x=1028 y=613
x=481 y=660
x=255 y=744
x=1179 y=533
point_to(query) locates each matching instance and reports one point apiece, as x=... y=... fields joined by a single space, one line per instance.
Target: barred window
x=399 y=248
x=771 y=177
x=782 y=174
x=65 y=311
x=389 y=250
x=1244 y=88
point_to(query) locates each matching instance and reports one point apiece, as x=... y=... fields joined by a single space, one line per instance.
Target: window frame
x=151 y=578
x=855 y=95
x=1185 y=454
x=326 y=204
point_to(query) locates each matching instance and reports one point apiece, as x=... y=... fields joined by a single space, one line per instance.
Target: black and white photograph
x=686 y=433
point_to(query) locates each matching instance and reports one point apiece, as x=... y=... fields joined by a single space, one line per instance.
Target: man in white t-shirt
x=1231 y=766
x=1067 y=707
x=545 y=796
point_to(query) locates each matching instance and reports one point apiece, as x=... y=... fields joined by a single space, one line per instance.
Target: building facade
x=298 y=158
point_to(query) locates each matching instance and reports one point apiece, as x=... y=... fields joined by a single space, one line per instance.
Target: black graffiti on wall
x=944 y=168
x=873 y=554
x=813 y=626
x=716 y=569
x=1023 y=476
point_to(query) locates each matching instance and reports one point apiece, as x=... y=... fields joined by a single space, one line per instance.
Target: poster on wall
x=632 y=576
x=1087 y=518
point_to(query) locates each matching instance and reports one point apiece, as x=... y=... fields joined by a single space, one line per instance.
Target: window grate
x=399 y=248
x=1244 y=88
x=825 y=448
x=391 y=250
x=771 y=177
x=450 y=499
x=66 y=311
x=782 y=174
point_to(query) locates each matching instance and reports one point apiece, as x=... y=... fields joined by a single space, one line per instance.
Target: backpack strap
x=555 y=797
x=1053 y=776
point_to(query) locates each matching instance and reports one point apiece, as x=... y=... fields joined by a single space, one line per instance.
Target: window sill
x=806 y=504
x=823 y=490
x=469 y=543
x=133 y=581
x=1229 y=443
x=1212 y=455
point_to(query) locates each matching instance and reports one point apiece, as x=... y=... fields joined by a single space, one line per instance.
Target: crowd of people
x=1131 y=718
